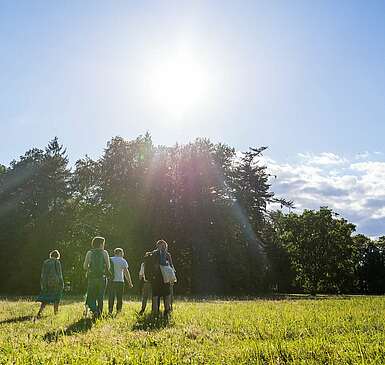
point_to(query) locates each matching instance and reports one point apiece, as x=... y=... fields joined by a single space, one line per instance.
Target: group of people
x=156 y=276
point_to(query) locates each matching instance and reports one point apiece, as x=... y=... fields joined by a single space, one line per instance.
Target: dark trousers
x=95 y=294
x=146 y=293
x=115 y=291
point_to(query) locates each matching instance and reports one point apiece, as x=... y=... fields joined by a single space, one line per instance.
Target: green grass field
x=324 y=331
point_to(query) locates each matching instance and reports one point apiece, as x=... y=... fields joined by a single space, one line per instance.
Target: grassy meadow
x=302 y=331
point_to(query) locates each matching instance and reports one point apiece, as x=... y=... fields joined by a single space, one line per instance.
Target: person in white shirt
x=119 y=269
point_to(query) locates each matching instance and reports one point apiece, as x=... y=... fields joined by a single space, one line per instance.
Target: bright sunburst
x=178 y=83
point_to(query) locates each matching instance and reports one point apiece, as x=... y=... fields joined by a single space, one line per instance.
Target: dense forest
x=227 y=231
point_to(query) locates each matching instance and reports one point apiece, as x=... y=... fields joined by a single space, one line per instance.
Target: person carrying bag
x=97 y=265
x=168 y=274
x=156 y=262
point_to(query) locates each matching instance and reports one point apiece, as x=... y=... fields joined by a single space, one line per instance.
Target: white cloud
x=324 y=158
x=354 y=189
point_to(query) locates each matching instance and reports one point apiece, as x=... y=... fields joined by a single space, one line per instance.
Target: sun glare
x=178 y=84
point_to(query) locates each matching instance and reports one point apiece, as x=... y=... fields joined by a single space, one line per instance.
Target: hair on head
x=55 y=254
x=162 y=243
x=119 y=251
x=98 y=242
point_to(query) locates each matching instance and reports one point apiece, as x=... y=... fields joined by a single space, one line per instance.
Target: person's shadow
x=82 y=325
x=148 y=322
x=17 y=319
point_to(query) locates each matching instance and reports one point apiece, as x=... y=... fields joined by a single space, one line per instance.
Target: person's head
x=98 y=242
x=162 y=244
x=119 y=252
x=55 y=254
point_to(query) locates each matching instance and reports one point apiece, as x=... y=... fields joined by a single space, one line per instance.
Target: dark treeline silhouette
x=210 y=203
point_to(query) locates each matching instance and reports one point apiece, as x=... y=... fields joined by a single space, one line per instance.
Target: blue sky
x=306 y=78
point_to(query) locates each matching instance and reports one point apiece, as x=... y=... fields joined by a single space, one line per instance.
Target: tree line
x=212 y=204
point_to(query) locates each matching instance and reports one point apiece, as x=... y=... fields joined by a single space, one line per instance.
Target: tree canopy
x=211 y=203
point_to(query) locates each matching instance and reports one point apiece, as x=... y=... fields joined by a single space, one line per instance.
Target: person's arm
x=87 y=260
x=169 y=258
x=107 y=260
x=128 y=277
x=141 y=272
x=60 y=273
x=43 y=277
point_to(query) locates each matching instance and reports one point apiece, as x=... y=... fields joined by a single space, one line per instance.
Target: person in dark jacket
x=51 y=283
x=153 y=261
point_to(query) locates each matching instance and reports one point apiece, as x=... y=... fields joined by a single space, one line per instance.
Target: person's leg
x=155 y=305
x=144 y=300
x=111 y=296
x=149 y=290
x=167 y=304
x=119 y=296
x=100 y=295
x=145 y=294
x=56 y=308
x=171 y=296
x=91 y=295
x=97 y=293
x=42 y=306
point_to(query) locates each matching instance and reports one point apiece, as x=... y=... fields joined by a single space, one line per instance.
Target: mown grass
x=326 y=331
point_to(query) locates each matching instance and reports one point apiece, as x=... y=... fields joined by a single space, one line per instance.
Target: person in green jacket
x=97 y=265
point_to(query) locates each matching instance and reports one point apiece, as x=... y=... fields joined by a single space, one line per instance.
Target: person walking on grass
x=145 y=288
x=51 y=282
x=155 y=264
x=119 y=271
x=97 y=265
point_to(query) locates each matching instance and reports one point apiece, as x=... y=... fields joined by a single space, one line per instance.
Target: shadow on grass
x=17 y=319
x=80 y=326
x=266 y=297
x=148 y=322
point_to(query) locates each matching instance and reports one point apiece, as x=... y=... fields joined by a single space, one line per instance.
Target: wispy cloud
x=324 y=158
x=353 y=187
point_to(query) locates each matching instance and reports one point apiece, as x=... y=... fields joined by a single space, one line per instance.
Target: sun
x=178 y=83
